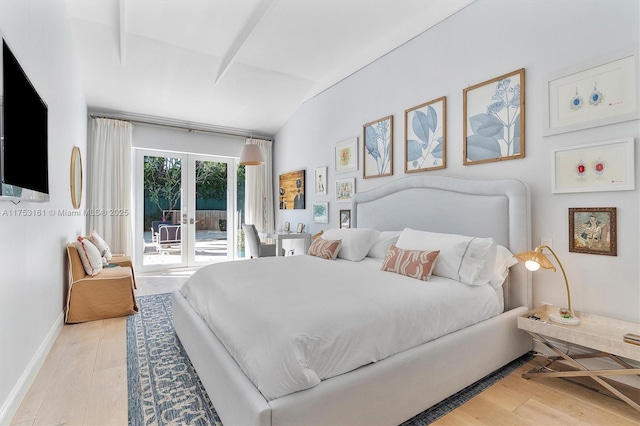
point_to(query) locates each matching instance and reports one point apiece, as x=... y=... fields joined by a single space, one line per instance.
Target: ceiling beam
x=252 y=23
x=122 y=22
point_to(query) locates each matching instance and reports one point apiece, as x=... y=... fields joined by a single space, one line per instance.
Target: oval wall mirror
x=76 y=177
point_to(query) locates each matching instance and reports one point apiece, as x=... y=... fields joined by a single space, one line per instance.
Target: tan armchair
x=108 y=294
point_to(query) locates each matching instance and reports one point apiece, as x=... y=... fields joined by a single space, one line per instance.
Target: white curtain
x=109 y=183
x=258 y=206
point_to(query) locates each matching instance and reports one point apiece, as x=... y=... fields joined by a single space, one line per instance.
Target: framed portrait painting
x=593 y=230
x=378 y=148
x=493 y=128
x=425 y=136
x=291 y=190
x=320 y=181
x=345 y=219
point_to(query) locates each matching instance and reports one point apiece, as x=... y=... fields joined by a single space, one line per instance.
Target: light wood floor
x=84 y=382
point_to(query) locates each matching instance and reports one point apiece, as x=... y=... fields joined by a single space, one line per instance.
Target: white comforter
x=290 y=322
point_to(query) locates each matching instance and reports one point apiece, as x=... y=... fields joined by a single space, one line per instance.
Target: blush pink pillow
x=326 y=249
x=412 y=263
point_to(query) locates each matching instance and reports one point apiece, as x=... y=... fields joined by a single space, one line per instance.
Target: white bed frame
x=397 y=388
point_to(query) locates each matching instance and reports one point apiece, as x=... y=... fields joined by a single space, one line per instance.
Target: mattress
x=291 y=322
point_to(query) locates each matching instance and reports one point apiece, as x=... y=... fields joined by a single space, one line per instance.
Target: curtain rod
x=163 y=122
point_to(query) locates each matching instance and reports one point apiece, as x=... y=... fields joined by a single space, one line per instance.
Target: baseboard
x=594 y=363
x=11 y=405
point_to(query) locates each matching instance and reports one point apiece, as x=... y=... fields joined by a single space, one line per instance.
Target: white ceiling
x=234 y=64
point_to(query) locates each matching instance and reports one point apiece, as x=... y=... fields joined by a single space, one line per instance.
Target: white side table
x=601 y=334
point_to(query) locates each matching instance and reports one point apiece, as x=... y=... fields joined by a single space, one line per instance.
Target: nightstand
x=601 y=334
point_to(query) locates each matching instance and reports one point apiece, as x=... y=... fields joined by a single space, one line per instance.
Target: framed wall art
x=378 y=148
x=321 y=212
x=346 y=156
x=600 y=166
x=345 y=219
x=493 y=126
x=291 y=190
x=320 y=181
x=425 y=136
x=345 y=188
x=593 y=230
x=604 y=91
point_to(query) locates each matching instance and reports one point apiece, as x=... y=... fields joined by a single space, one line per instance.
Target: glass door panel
x=210 y=222
x=162 y=206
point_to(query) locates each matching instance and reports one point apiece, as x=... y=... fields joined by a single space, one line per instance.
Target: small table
x=279 y=236
x=601 y=334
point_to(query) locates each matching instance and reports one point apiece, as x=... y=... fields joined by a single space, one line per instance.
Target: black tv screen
x=24 y=168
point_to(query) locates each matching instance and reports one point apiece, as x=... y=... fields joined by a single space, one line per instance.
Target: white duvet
x=290 y=322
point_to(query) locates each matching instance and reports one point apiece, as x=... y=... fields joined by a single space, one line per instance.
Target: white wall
x=33 y=274
x=487 y=39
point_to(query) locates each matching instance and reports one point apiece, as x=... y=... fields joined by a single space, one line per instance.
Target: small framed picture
x=346 y=156
x=593 y=230
x=321 y=180
x=345 y=219
x=300 y=227
x=287 y=226
x=321 y=212
x=345 y=188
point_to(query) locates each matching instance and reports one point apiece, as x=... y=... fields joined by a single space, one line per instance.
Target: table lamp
x=533 y=260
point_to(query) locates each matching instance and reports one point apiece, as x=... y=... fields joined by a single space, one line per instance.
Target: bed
x=396 y=385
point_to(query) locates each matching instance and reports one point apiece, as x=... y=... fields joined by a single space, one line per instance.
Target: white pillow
x=101 y=245
x=89 y=255
x=385 y=240
x=470 y=260
x=504 y=261
x=356 y=242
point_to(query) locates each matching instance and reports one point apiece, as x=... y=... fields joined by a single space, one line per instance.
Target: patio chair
x=169 y=236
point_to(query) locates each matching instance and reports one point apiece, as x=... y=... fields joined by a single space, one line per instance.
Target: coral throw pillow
x=412 y=263
x=326 y=249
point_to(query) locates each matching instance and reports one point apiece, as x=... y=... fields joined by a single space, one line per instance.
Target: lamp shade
x=251 y=155
x=534 y=260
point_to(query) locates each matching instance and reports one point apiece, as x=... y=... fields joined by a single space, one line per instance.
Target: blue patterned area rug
x=164 y=388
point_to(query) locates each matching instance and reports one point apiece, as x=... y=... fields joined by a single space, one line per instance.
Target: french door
x=186 y=208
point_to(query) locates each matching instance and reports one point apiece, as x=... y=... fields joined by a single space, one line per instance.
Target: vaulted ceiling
x=234 y=64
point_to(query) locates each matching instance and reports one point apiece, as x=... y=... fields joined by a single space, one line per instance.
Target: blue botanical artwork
x=493 y=128
x=425 y=136
x=378 y=148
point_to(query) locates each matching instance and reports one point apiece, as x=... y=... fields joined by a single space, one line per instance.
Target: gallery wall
x=33 y=236
x=485 y=40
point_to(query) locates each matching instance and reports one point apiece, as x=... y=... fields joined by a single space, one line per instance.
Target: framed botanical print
x=593 y=230
x=493 y=126
x=425 y=136
x=378 y=148
x=346 y=156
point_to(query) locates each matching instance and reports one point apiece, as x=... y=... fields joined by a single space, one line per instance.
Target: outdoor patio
x=211 y=246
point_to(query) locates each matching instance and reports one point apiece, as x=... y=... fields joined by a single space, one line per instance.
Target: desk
x=279 y=236
x=601 y=334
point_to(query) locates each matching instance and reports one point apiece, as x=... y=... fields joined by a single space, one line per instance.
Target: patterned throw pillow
x=412 y=263
x=326 y=249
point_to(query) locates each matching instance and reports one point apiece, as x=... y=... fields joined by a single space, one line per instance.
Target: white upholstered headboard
x=484 y=208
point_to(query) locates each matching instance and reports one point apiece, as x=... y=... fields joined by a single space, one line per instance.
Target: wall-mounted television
x=24 y=159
